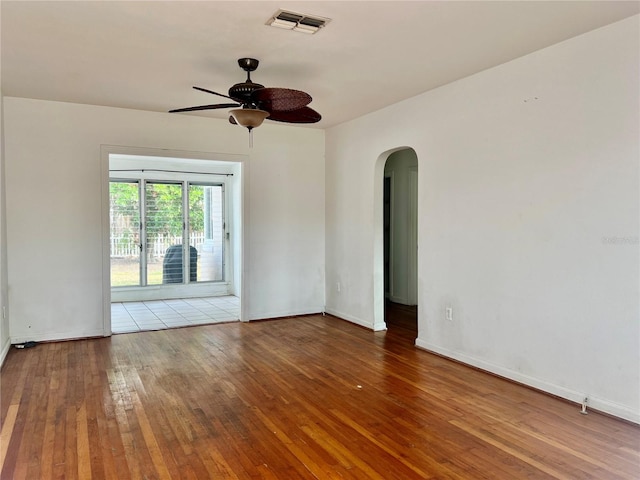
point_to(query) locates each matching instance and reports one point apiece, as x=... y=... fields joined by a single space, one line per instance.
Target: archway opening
x=397 y=241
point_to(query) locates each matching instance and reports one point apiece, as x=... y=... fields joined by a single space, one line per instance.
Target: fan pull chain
x=251 y=138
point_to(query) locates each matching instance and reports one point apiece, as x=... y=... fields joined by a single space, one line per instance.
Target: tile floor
x=160 y=314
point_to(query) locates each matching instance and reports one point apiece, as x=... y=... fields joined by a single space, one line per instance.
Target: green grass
x=127 y=274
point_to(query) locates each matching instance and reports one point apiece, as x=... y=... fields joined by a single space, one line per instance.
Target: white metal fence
x=123 y=246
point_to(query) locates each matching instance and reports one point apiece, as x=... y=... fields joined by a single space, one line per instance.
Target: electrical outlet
x=338 y=287
x=449 y=314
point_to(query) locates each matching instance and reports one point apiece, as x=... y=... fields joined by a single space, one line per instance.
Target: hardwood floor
x=402 y=320
x=300 y=398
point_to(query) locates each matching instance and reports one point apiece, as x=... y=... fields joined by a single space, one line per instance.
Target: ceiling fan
x=255 y=102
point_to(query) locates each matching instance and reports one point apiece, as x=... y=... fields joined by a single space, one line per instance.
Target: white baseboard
x=5 y=351
x=356 y=320
x=400 y=300
x=602 y=405
x=58 y=336
x=285 y=313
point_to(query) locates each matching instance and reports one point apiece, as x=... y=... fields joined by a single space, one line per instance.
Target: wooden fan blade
x=216 y=93
x=205 y=107
x=280 y=99
x=301 y=115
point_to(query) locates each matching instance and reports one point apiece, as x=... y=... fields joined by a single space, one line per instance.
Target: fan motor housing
x=242 y=91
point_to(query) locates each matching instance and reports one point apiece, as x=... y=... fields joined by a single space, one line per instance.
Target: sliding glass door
x=206 y=230
x=125 y=226
x=166 y=232
x=163 y=232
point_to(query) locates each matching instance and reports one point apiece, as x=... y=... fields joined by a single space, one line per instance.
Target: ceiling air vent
x=297 y=21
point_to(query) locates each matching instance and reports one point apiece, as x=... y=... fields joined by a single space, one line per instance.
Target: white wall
x=528 y=217
x=54 y=208
x=4 y=306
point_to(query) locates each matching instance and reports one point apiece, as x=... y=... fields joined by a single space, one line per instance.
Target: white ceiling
x=147 y=55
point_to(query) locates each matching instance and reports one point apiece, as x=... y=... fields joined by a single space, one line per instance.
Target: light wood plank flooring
x=300 y=398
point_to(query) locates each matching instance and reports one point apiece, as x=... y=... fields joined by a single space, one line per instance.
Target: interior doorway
x=172 y=238
x=400 y=239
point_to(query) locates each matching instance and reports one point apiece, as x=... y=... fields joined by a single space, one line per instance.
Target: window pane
x=164 y=225
x=124 y=209
x=206 y=230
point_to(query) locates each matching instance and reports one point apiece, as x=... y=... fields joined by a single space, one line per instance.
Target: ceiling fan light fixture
x=258 y=102
x=249 y=117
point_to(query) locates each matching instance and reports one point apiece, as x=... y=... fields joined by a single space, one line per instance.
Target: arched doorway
x=396 y=254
